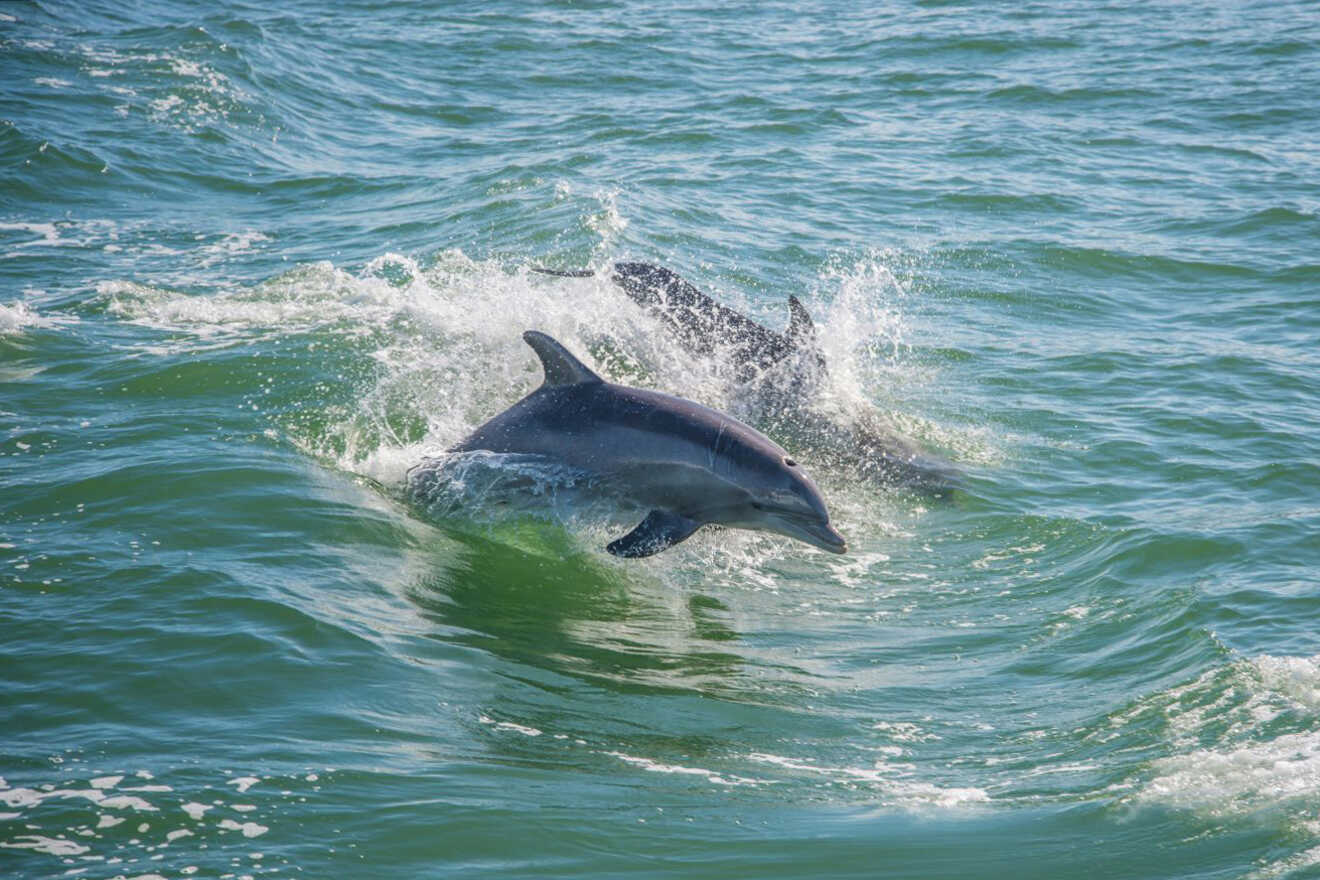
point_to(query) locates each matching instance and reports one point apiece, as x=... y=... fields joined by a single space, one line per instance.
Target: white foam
x=183 y=67
x=26 y=797
x=886 y=779
x=509 y=725
x=47 y=235
x=709 y=775
x=230 y=245
x=1239 y=780
x=450 y=325
x=1293 y=865
x=1246 y=743
x=904 y=731
x=518 y=728
x=126 y=802
x=249 y=829
x=865 y=311
x=1294 y=678
x=17 y=317
x=80 y=233
x=195 y=810
x=55 y=846
x=243 y=783
x=183 y=92
x=20 y=797
x=606 y=222
x=106 y=810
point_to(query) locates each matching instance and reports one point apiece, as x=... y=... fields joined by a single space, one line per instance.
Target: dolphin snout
x=824 y=536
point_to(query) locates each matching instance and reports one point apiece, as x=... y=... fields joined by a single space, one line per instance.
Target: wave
x=1246 y=748
x=17 y=318
x=443 y=339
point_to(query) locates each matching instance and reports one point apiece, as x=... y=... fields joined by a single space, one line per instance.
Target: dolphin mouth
x=821 y=535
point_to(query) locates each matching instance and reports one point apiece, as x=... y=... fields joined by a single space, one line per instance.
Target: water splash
x=438 y=350
x=1246 y=743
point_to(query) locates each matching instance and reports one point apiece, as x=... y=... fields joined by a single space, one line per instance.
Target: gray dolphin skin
x=689 y=464
x=783 y=371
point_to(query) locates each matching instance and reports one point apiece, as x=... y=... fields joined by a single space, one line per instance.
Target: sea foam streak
x=1246 y=742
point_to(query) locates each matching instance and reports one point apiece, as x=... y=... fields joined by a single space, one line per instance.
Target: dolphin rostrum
x=687 y=463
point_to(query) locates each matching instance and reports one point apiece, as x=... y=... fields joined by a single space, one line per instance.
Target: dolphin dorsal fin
x=800 y=327
x=561 y=368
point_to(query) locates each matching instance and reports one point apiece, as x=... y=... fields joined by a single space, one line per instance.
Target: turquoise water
x=254 y=264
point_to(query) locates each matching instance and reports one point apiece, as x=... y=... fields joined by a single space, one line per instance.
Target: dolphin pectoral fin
x=561 y=368
x=659 y=531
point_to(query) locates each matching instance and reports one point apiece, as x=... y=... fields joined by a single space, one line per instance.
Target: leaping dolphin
x=689 y=464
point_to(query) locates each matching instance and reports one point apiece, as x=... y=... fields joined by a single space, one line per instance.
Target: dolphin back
x=701 y=322
x=697 y=318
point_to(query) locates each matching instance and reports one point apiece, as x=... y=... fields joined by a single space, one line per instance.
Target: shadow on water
x=542 y=603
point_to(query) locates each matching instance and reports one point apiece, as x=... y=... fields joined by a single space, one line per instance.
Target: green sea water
x=256 y=260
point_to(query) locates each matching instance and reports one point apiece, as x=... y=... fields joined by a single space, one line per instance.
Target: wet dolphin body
x=687 y=463
x=783 y=369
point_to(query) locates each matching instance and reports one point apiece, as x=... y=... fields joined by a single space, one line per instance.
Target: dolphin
x=784 y=372
x=689 y=464
x=701 y=323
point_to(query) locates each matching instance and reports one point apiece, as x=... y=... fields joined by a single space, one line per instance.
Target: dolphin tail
x=565 y=273
x=659 y=531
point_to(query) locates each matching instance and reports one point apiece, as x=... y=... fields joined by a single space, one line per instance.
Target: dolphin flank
x=688 y=464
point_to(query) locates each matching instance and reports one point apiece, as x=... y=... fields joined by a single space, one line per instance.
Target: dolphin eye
x=756 y=505
x=790 y=462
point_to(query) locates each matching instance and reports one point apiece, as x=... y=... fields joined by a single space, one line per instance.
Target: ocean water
x=257 y=260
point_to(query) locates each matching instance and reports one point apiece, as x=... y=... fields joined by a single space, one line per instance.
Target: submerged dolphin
x=784 y=372
x=688 y=463
x=702 y=324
